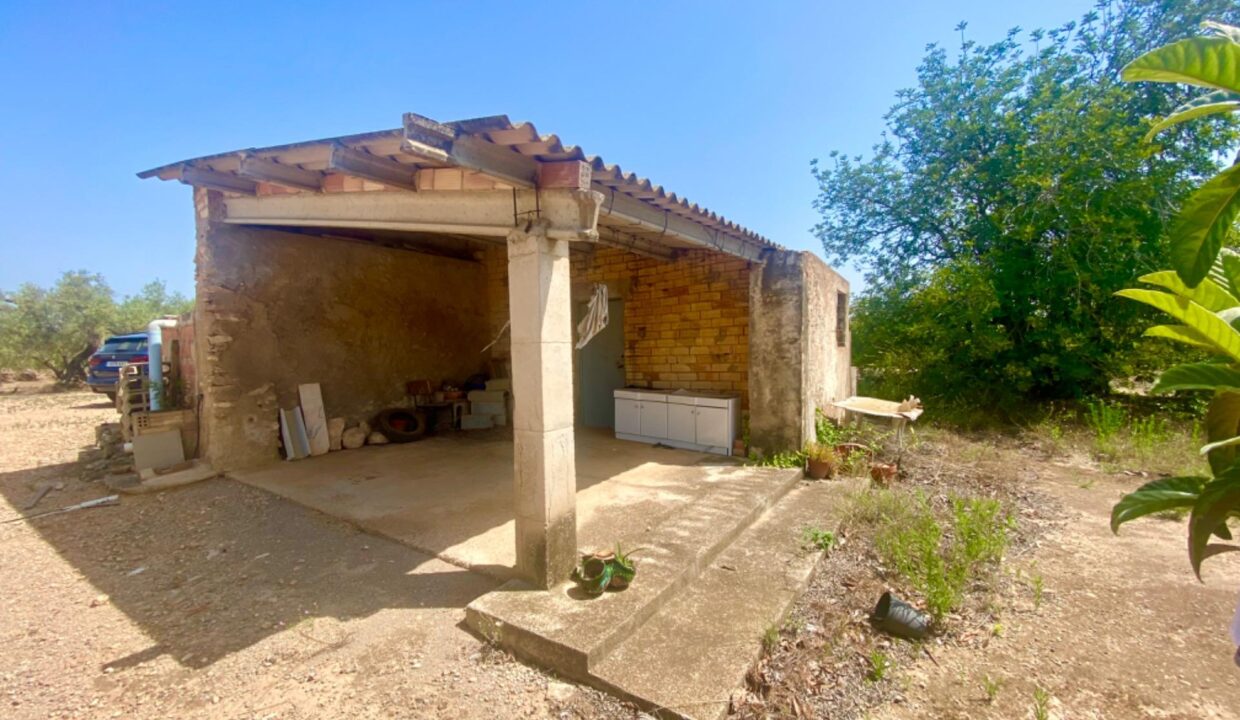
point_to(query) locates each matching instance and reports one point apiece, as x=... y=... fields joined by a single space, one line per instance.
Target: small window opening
x=841 y=319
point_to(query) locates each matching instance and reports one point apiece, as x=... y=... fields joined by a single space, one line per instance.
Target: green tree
x=1011 y=195
x=152 y=301
x=56 y=329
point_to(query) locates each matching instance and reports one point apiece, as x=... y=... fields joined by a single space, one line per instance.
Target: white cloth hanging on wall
x=596 y=316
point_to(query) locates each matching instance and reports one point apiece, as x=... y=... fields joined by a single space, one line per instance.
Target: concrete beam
x=629 y=210
x=212 y=180
x=260 y=168
x=436 y=142
x=635 y=245
x=570 y=214
x=372 y=167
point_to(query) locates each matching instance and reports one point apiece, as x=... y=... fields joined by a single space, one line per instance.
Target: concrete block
x=488 y=408
x=488 y=396
x=477 y=422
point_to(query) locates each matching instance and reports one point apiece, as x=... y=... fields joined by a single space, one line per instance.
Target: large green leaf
x=1221 y=336
x=1218 y=500
x=1207 y=294
x=1226 y=272
x=1219 y=101
x=1198 y=231
x=1180 y=333
x=1199 y=376
x=1156 y=496
x=1222 y=423
x=1212 y=62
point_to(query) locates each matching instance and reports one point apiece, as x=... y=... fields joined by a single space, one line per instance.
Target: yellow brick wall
x=686 y=323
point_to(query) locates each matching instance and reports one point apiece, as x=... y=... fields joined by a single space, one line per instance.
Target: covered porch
x=451 y=495
x=465 y=249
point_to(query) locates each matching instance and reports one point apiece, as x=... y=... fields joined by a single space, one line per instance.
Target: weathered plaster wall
x=278 y=309
x=827 y=363
x=796 y=363
x=776 y=304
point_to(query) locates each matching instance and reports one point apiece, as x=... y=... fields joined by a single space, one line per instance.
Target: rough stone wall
x=686 y=323
x=796 y=363
x=277 y=309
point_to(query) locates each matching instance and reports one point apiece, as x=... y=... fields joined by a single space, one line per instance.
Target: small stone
x=353 y=438
x=335 y=430
x=377 y=438
x=560 y=692
x=99 y=600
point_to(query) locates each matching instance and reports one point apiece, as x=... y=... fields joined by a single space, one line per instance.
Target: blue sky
x=725 y=103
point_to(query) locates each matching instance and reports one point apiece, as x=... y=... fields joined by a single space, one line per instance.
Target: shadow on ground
x=216 y=567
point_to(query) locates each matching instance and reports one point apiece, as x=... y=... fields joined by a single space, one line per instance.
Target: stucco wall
x=796 y=363
x=826 y=365
x=278 y=309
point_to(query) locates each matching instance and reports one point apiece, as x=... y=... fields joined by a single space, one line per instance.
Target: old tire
x=402 y=425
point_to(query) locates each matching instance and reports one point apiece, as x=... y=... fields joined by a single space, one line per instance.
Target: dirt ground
x=223 y=601
x=1124 y=629
x=1091 y=624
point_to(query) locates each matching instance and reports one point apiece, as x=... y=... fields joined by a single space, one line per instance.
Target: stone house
x=446 y=250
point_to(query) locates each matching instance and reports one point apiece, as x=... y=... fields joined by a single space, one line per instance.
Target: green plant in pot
x=602 y=570
x=821 y=461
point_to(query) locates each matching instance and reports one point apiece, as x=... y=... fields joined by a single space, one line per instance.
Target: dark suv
x=105 y=364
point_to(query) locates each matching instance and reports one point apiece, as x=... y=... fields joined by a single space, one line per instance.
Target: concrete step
x=686 y=659
x=564 y=630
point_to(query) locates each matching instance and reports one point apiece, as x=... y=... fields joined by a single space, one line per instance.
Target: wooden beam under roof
x=372 y=167
x=212 y=180
x=260 y=168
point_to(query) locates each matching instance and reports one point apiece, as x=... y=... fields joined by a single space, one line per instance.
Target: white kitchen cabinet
x=681 y=419
x=712 y=427
x=681 y=422
x=653 y=417
x=628 y=416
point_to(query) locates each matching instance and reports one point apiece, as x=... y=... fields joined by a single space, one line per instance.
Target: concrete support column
x=545 y=477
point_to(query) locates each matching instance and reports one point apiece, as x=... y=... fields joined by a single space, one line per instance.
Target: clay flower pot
x=819 y=469
x=882 y=473
x=595 y=573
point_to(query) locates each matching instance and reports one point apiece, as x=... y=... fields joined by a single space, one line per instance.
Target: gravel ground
x=222 y=601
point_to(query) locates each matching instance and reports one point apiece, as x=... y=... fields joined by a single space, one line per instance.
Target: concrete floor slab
x=451 y=494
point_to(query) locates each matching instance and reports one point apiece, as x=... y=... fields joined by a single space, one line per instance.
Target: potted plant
x=605 y=570
x=820 y=461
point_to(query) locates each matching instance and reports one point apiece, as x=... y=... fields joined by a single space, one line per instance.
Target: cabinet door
x=712 y=427
x=654 y=419
x=628 y=416
x=681 y=423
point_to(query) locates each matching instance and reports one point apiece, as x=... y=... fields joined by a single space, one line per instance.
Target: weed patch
x=939 y=557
